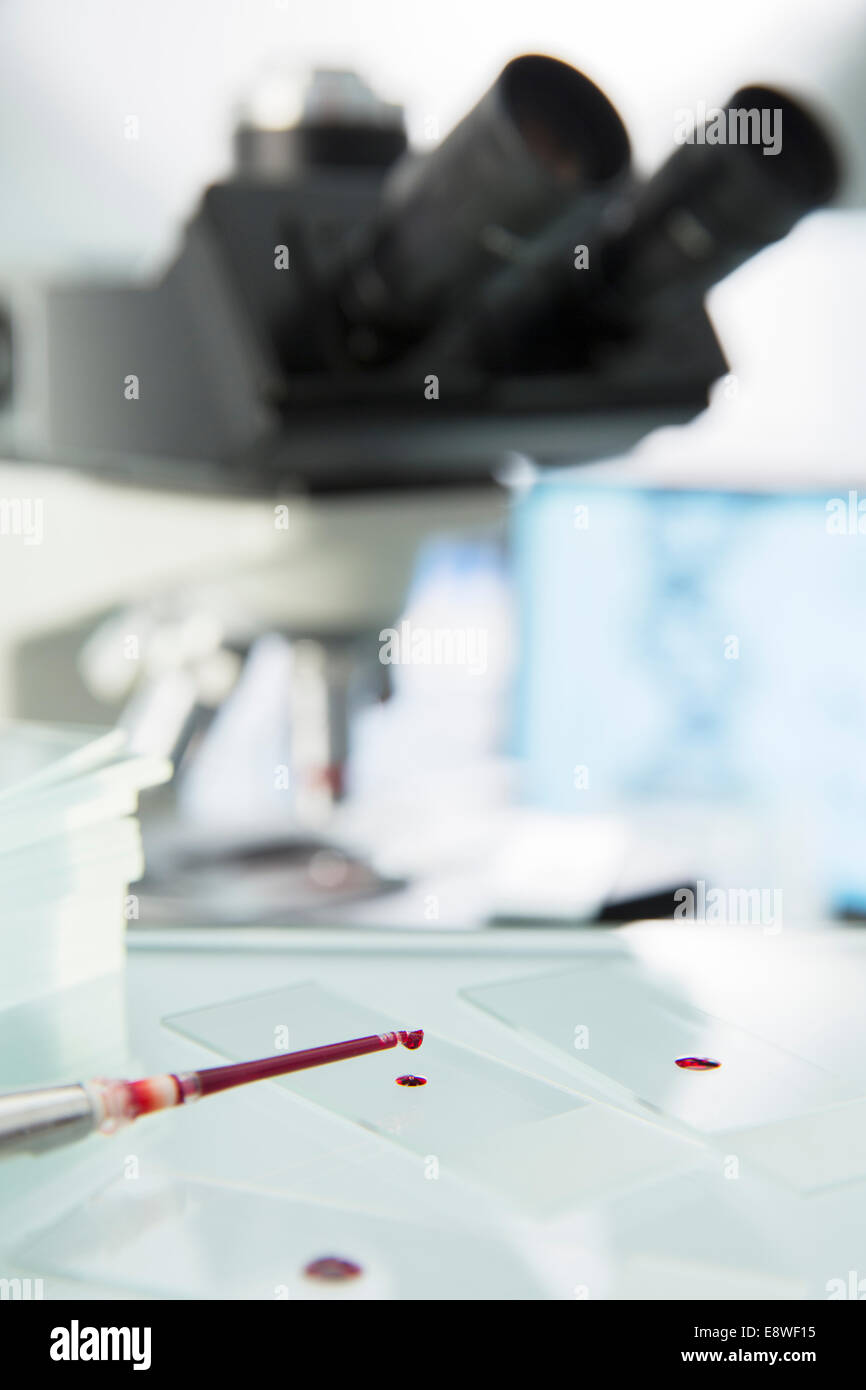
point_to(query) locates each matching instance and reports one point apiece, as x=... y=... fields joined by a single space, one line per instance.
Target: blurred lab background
x=447 y=692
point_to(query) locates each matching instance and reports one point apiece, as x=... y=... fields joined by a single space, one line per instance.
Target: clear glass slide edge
x=539 y=1146
x=468 y=1096
x=618 y=1027
x=168 y=1235
x=36 y=755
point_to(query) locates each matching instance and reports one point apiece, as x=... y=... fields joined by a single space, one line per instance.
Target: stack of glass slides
x=70 y=847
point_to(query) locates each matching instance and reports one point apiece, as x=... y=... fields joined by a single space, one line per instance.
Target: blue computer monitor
x=696 y=646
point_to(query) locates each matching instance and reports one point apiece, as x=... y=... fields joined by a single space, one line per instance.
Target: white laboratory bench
x=222 y=1199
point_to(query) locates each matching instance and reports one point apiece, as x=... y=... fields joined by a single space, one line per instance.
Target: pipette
x=31 y=1121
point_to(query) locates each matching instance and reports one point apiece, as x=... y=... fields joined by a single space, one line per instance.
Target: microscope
x=347 y=316
x=348 y=322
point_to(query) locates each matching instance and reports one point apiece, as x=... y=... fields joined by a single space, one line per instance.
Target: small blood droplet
x=697 y=1063
x=413 y=1039
x=411 y=1081
x=333 y=1269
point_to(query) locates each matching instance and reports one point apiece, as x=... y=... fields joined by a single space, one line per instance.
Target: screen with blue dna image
x=696 y=647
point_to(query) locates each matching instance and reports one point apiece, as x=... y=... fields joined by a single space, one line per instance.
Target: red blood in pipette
x=213 y=1079
x=125 y=1100
x=697 y=1063
x=411 y=1081
x=332 y=1269
x=152 y=1093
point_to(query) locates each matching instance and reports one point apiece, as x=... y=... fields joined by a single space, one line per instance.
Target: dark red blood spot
x=697 y=1063
x=411 y=1081
x=332 y=1268
x=413 y=1039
